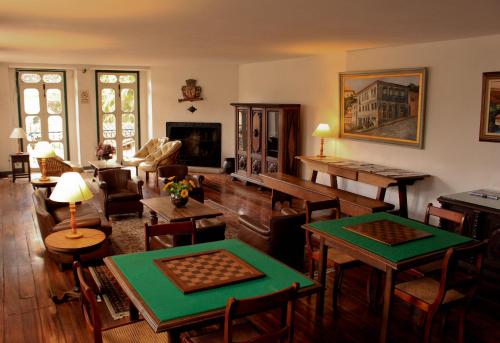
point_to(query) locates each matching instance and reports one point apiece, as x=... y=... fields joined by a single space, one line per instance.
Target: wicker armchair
x=141 y=155
x=166 y=154
x=56 y=166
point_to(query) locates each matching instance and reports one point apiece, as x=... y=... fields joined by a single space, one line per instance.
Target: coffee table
x=47 y=184
x=99 y=165
x=163 y=207
x=58 y=242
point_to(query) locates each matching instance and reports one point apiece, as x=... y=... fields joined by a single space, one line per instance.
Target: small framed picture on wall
x=490 y=108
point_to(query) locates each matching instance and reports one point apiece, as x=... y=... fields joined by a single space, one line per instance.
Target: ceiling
x=150 y=32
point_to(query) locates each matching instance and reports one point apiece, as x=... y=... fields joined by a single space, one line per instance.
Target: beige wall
x=452 y=154
x=219 y=84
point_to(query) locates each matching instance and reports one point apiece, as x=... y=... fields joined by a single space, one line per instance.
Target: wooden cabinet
x=267 y=140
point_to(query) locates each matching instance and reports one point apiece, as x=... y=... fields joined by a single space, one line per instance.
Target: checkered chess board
x=209 y=269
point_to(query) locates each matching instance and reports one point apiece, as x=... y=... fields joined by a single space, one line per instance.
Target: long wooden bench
x=351 y=204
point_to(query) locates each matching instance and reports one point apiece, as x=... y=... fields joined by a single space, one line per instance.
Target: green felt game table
x=386 y=258
x=167 y=308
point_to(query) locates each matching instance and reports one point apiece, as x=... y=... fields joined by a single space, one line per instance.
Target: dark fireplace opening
x=201 y=143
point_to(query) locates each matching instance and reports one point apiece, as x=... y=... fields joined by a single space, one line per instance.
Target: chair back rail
x=312 y=206
x=456 y=218
x=180 y=228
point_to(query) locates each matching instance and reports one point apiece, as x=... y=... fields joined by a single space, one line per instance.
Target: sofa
x=283 y=238
x=142 y=154
x=54 y=216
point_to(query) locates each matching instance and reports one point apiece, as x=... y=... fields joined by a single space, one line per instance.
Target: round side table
x=58 y=242
x=48 y=184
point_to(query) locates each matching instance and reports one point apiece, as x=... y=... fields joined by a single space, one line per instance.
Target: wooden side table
x=51 y=182
x=58 y=242
x=24 y=170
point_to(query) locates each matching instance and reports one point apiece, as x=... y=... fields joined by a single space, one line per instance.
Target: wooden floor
x=28 y=315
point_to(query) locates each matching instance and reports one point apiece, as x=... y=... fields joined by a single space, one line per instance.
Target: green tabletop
x=167 y=302
x=439 y=240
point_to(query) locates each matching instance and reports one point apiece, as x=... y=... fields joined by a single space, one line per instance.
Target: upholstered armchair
x=180 y=172
x=120 y=194
x=141 y=155
x=283 y=238
x=54 y=216
x=56 y=166
x=166 y=154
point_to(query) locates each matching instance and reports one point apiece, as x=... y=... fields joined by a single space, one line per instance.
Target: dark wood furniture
x=99 y=165
x=376 y=175
x=58 y=242
x=341 y=261
x=24 y=170
x=482 y=221
x=283 y=186
x=47 y=184
x=135 y=331
x=267 y=140
x=332 y=232
x=163 y=207
x=120 y=194
x=175 y=312
x=153 y=232
x=459 y=281
x=244 y=332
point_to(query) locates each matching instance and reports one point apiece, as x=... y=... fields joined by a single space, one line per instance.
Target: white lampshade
x=44 y=149
x=18 y=133
x=71 y=188
x=323 y=130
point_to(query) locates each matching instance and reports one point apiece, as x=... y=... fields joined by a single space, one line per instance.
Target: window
x=118 y=108
x=42 y=109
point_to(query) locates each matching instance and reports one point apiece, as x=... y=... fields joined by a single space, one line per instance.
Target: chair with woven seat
x=340 y=260
x=452 y=220
x=246 y=331
x=165 y=154
x=458 y=283
x=157 y=235
x=138 y=331
x=56 y=166
x=142 y=154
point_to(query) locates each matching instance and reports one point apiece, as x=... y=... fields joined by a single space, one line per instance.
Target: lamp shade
x=17 y=133
x=71 y=188
x=323 y=130
x=43 y=149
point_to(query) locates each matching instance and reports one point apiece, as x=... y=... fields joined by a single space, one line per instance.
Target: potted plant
x=178 y=190
x=104 y=151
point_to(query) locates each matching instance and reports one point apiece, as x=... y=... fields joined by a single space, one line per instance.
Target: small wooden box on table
x=24 y=170
x=372 y=174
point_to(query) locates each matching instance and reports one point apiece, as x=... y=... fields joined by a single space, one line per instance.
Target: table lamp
x=323 y=131
x=71 y=188
x=18 y=133
x=44 y=150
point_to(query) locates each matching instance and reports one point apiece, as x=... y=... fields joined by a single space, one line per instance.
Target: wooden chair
x=457 y=286
x=138 y=331
x=340 y=260
x=447 y=217
x=246 y=332
x=155 y=234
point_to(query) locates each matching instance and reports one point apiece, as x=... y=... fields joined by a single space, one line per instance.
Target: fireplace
x=201 y=143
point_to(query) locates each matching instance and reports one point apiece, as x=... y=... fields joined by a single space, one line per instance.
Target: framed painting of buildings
x=490 y=109
x=383 y=106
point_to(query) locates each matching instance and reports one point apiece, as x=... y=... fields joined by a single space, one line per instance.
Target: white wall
x=452 y=154
x=219 y=84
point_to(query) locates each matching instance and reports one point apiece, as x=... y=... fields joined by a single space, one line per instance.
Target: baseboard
x=5 y=174
x=205 y=170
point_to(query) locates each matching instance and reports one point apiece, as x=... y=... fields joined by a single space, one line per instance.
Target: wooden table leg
x=323 y=253
x=333 y=181
x=314 y=175
x=388 y=295
x=173 y=336
x=381 y=193
x=133 y=312
x=154 y=217
x=403 y=200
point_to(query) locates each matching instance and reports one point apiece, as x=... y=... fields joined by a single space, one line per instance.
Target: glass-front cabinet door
x=42 y=109
x=256 y=141
x=242 y=139
x=272 y=140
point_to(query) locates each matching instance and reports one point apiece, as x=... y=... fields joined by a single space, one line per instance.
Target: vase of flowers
x=179 y=191
x=105 y=151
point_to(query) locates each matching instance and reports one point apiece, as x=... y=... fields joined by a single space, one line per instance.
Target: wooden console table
x=372 y=174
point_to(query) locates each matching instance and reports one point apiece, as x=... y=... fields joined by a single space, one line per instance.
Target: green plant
x=178 y=189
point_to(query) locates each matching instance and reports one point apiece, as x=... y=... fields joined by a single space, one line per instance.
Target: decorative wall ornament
x=191 y=92
x=383 y=106
x=192 y=109
x=84 y=97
